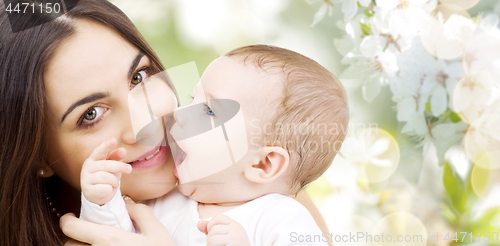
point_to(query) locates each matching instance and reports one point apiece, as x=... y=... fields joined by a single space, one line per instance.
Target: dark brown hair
x=310 y=120
x=25 y=218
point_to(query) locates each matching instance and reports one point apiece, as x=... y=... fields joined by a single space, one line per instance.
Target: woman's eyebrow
x=85 y=100
x=135 y=63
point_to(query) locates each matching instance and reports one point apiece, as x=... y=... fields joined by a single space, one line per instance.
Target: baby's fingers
x=117 y=154
x=217 y=240
x=102 y=151
x=110 y=166
x=220 y=219
x=202 y=226
x=104 y=178
x=218 y=230
x=99 y=193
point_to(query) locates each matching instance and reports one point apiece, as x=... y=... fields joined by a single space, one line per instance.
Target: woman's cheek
x=74 y=152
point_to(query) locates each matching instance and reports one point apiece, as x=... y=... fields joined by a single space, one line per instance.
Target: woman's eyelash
x=149 y=70
x=83 y=125
x=90 y=125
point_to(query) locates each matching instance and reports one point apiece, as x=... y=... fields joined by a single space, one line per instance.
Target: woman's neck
x=64 y=198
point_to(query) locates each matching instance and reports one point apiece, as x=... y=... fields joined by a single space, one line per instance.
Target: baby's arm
x=100 y=184
x=222 y=230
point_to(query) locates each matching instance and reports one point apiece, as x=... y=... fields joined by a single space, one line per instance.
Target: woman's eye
x=92 y=114
x=138 y=77
x=209 y=111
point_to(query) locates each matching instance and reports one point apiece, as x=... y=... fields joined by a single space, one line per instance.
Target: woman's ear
x=45 y=172
x=272 y=164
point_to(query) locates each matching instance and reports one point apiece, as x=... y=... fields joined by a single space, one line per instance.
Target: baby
x=264 y=122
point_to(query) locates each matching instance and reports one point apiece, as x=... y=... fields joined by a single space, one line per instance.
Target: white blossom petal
x=355 y=71
x=372 y=46
x=420 y=124
x=418 y=2
x=364 y=3
x=428 y=84
x=447 y=40
x=371 y=88
x=387 y=4
x=455 y=70
x=320 y=14
x=439 y=101
x=406 y=108
x=406 y=22
x=349 y=8
x=483 y=50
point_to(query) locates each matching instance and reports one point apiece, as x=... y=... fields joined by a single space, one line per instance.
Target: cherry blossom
x=472 y=95
x=405 y=17
x=416 y=48
x=350 y=7
x=327 y=6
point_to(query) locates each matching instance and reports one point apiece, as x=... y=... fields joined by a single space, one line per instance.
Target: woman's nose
x=128 y=135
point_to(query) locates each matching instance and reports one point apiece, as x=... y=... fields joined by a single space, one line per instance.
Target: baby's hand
x=101 y=172
x=222 y=230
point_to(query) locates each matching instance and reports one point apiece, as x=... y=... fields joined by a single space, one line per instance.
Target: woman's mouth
x=151 y=159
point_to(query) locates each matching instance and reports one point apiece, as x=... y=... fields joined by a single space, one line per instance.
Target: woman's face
x=87 y=85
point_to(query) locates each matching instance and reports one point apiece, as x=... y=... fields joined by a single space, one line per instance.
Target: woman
x=64 y=91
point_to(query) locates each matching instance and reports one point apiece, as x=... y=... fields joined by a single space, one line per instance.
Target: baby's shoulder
x=279 y=206
x=279 y=200
x=274 y=217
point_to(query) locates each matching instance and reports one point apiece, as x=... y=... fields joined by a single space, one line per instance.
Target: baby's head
x=294 y=115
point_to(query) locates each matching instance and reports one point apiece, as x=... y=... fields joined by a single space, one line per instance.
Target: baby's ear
x=272 y=164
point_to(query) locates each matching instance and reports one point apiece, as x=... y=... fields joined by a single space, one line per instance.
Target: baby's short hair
x=311 y=119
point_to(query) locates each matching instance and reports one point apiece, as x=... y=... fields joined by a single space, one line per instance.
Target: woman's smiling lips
x=151 y=158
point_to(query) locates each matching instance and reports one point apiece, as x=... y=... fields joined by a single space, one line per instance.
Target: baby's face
x=218 y=133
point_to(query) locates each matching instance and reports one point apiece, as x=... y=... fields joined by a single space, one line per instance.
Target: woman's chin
x=148 y=189
x=149 y=183
x=148 y=194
